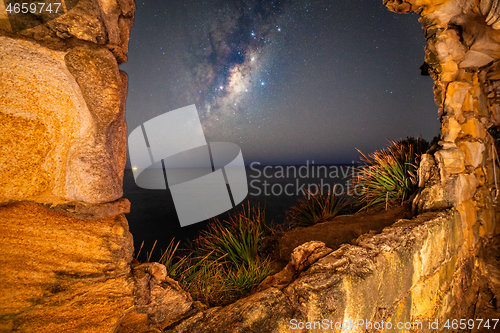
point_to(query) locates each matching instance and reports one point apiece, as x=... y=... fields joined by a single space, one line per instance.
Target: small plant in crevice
x=315 y=208
x=238 y=239
x=389 y=176
x=218 y=283
x=224 y=262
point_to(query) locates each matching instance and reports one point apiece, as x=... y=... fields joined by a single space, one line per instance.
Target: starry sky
x=288 y=81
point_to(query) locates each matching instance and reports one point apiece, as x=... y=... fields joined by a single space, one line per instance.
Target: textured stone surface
x=267 y=311
x=473 y=153
x=451 y=161
x=84 y=211
x=460 y=188
x=302 y=257
x=455 y=96
x=103 y=22
x=158 y=296
x=61 y=274
x=425 y=170
x=65 y=248
x=98 y=163
x=62 y=136
x=433 y=198
x=474 y=128
x=306 y=254
x=450 y=130
x=463 y=57
x=416 y=270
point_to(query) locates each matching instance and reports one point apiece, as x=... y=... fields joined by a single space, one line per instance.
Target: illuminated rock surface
x=62 y=274
x=74 y=149
x=65 y=249
x=416 y=270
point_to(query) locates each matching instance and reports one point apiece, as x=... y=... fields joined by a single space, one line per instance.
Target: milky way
x=288 y=81
x=231 y=56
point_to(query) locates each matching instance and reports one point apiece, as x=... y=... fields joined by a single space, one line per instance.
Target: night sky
x=288 y=81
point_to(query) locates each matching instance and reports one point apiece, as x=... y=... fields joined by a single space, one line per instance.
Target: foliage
x=315 y=208
x=224 y=263
x=390 y=175
x=176 y=266
x=238 y=239
x=219 y=283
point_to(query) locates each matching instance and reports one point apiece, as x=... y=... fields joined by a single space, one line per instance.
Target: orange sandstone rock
x=62 y=274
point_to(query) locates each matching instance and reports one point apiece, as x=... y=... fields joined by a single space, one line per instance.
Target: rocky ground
x=343 y=229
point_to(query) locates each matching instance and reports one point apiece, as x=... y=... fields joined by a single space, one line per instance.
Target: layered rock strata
x=65 y=248
x=416 y=272
x=66 y=251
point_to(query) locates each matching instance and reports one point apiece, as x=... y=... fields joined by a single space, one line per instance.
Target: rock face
x=75 y=147
x=416 y=271
x=65 y=249
x=105 y=23
x=62 y=274
x=159 y=300
x=63 y=133
x=463 y=57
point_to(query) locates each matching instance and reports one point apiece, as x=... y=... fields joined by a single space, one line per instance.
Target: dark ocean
x=153 y=216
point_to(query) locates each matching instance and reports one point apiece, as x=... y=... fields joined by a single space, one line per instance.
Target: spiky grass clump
x=226 y=265
x=238 y=239
x=219 y=283
x=177 y=266
x=315 y=208
x=390 y=175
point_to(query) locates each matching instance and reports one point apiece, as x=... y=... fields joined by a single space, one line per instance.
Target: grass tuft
x=238 y=239
x=389 y=176
x=315 y=208
x=219 y=283
x=224 y=263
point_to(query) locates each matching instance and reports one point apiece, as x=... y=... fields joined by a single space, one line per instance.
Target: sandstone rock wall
x=463 y=57
x=415 y=273
x=65 y=248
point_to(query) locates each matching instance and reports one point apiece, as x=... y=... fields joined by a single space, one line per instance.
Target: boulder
x=451 y=161
x=103 y=22
x=473 y=152
x=63 y=130
x=159 y=297
x=63 y=274
x=474 y=128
